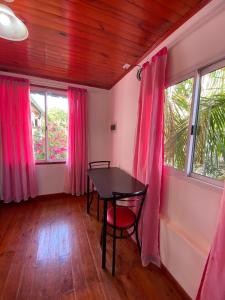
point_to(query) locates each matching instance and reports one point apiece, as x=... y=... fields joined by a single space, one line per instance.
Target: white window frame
x=193 y=122
x=46 y=91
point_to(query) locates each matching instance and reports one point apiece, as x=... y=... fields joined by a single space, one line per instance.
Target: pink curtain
x=148 y=157
x=75 y=181
x=213 y=280
x=17 y=167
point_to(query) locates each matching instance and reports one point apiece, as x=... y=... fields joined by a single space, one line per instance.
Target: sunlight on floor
x=54 y=242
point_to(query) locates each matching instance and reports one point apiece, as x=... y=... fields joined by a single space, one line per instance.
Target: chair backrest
x=131 y=200
x=99 y=164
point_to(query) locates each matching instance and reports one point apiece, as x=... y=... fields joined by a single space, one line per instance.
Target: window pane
x=177 y=114
x=38 y=124
x=209 y=158
x=57 y=126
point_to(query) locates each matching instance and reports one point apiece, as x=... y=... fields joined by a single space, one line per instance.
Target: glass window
x=49 y=113
x=38 y=124
x=209 y=154
x=57 y=126
x=177 y=115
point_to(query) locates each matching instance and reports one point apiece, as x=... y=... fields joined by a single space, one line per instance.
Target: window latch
x=192 y=129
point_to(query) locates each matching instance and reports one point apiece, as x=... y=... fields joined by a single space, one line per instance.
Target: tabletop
x=108 y=180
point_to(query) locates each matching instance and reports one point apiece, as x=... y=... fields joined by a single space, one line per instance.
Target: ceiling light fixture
x=11 y=27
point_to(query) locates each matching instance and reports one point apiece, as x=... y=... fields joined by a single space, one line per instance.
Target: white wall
x=124 y=100
x=190 y=208
x=99 y=121
x=188 y=221
x=51 y=177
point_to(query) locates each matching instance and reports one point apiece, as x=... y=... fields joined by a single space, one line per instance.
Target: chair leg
x=137 y=239
x=114 y=252
x=104 y=233
x=92 y=190
x=98 y=207
x=88 y=194
x=101 y=237
x=91 y=200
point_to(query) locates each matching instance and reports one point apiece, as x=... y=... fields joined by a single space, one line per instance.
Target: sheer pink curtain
x=17 y=167
x=75 y=181
x=212 y=285
x=148 y=157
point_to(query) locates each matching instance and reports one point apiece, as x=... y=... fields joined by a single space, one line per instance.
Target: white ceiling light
x=11 y=27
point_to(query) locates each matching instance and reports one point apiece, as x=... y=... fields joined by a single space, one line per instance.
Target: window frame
x=46 y=91
x=193 y=122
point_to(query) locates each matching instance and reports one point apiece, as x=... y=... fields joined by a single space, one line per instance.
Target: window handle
x=192 y=129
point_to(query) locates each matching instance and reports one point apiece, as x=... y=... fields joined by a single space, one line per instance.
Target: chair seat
x=125 y=217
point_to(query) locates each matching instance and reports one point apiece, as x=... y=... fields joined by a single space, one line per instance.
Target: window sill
x=195 y=179
x=208 y=180
x=50 y=162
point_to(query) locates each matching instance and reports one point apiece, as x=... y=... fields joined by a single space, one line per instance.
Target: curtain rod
x=48 y=87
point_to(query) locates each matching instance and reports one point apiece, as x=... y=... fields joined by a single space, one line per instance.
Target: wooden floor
x=49 y=249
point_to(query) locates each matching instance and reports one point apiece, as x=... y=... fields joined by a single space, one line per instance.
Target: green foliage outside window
x=57 y=134
x=209 y=152
x=177 y=114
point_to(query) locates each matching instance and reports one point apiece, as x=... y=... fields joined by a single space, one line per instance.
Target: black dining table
x=107 y=181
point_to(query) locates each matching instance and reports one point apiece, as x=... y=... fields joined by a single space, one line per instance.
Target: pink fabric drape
x=148 y=157
x=213 y=280
x=75 y=182
x=17 y=166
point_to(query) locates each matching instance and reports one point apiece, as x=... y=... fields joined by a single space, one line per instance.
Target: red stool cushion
x=125 y=217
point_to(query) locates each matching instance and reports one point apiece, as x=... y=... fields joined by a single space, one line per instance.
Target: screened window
x=177 y=115
x=49 y=114
x=209 y=151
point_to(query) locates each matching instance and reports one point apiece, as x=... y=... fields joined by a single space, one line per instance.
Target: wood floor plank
x=49 y=249
x=84 y=259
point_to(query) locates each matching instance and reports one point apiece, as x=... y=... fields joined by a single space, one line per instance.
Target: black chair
x=94 y=165
x=123 y=218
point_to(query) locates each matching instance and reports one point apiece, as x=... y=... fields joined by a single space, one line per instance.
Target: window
x=209 y=154
x=38 y=124
x=177 y=115
x=49 y=114
x=195 y=129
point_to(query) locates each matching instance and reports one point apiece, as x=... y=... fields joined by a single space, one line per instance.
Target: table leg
x=88 y=194
x=104 y=234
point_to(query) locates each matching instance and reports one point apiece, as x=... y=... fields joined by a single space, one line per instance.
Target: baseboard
x=183 y=294
x=38 y=197
x=49 y=196
x=52 y=195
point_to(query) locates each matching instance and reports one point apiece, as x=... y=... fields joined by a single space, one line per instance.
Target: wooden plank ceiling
x=88 y=41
